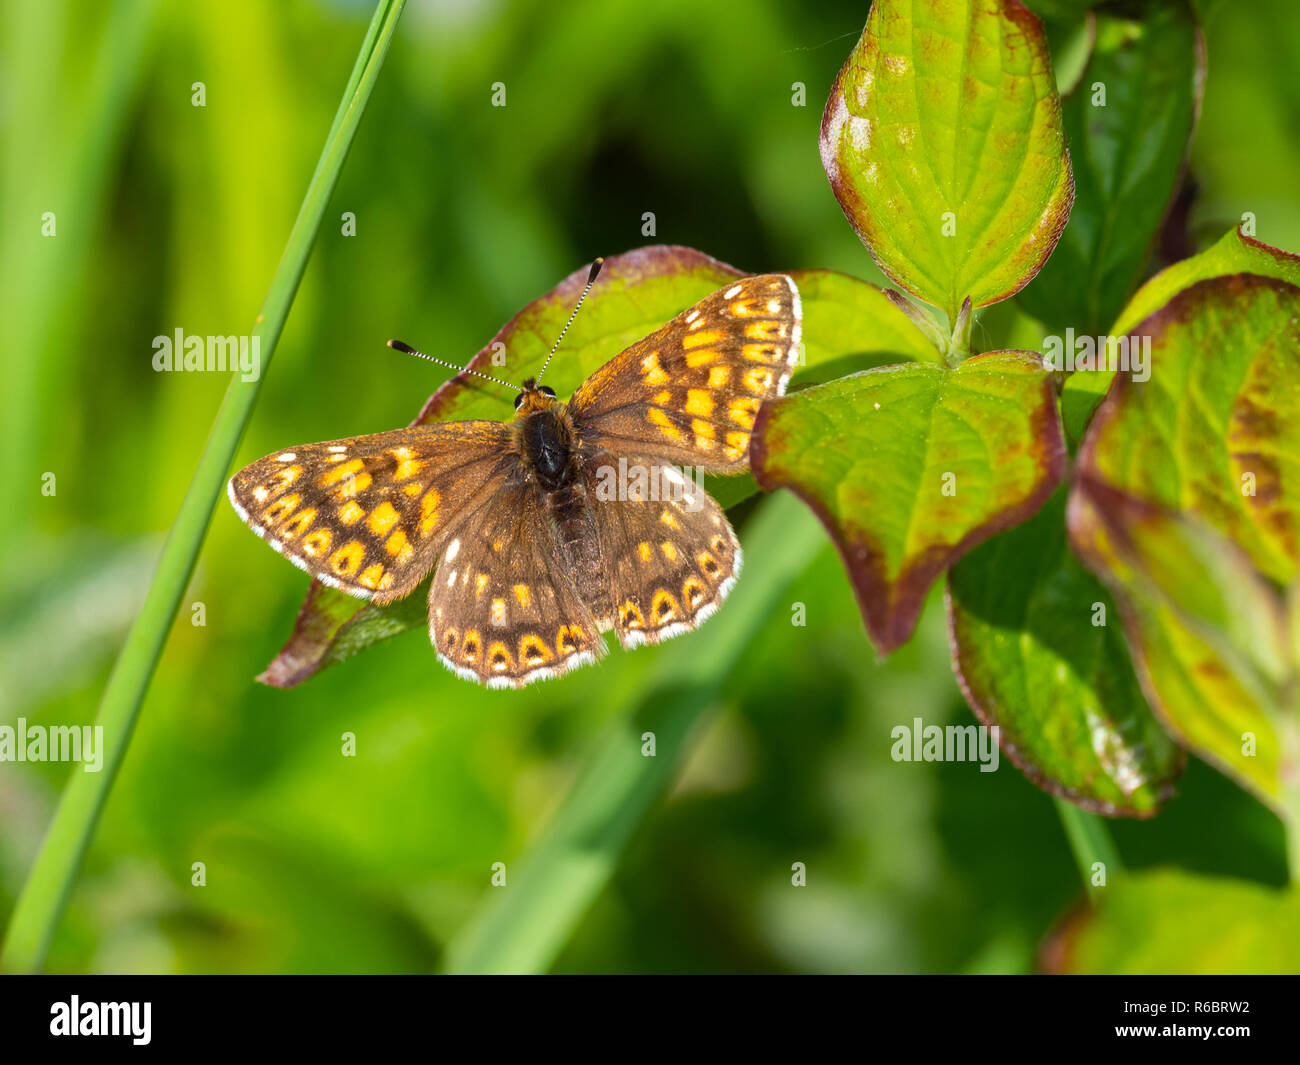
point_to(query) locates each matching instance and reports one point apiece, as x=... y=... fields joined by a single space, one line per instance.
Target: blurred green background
x=171 y=215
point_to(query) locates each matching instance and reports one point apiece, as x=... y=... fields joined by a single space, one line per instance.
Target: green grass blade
x=525 y=924
x=45 y=893
x=1090 y=841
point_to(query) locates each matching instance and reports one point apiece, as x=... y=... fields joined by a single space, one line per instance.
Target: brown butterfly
x=567 y=521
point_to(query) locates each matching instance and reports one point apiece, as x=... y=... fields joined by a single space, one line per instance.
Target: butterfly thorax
x=545 y=433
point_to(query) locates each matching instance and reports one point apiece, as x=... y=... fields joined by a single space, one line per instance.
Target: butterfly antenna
x=397 y=345
x=591 y=280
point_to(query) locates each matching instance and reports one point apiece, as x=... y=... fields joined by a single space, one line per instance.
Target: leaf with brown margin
x=1225 y=355
x=1033 y=661
x=847 y=323
x=1207 y=632
x=869 y=453
x=949 y=107
x=1235 y=253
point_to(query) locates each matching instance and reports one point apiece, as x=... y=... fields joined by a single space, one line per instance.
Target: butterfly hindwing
x=368 y=515
x=670 y=560
x=503 y=607
x=689 y=392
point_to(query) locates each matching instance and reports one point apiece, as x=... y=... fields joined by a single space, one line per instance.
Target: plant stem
x=45 y=894
x=1090 y=841
x=524 y=925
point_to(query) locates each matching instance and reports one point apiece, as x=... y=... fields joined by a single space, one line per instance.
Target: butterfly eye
x=518 y=400
x=547 y=389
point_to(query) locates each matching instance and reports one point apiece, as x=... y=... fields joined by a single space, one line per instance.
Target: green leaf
x=1185 y=502
x=910 y=467
x=1140 y=924
x=1213 y=648
x=1038 y=656
x=1207 y=632
x=943 y=144
x=1235 y=253
x=1126 y=154
x=848 y=323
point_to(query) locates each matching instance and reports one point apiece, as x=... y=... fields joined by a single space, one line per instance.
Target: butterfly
x=570 y=519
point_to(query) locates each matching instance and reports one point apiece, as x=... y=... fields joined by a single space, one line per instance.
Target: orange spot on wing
x=699 y=402
x=371 y=576
x=761 y=352
x=498 y=657
x=382 y=518
x=317 y=543
x=347 y=559
x=630 y=616
x=407 y=464
x=281 y=509
x=742 y=411
x=701 y=339
x=654 y=373
x=399 y=547
x=737 y=445
x=429 y=511
x=663 y=607
x=533 y=651
x=339 y=472
x=350 y=513
x=351 y=486
x=297 y=525
x=469 y=650
x=708 y=564
x=665 y=424
x=765 y=330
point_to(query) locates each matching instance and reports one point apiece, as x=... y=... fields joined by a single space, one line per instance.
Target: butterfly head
x=534 y=397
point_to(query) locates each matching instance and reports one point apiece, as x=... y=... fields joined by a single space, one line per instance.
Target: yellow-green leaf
x=942 y=140
x=909 y=467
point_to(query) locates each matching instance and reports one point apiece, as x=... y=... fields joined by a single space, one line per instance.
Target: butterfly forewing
x=503 y=607
x=369 y=515
x=689 y=393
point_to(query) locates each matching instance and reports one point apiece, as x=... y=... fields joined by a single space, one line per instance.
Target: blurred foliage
x=170 y=215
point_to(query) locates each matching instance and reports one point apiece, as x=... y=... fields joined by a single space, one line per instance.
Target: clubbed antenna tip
x=591 y=280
